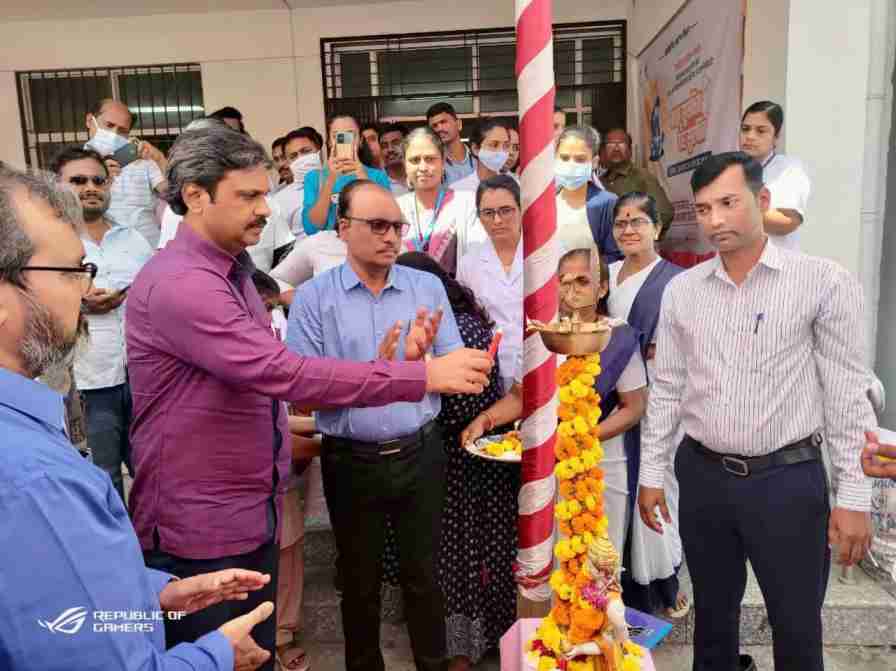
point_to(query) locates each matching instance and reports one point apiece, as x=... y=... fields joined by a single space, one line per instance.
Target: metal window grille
x=397 y=77
x=54 y=104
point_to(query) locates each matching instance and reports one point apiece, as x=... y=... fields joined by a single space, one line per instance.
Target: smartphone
x=127 y=154
x=124 y=290
x=345 y=144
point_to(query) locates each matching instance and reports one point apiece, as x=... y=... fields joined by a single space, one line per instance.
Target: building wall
x=266 y=63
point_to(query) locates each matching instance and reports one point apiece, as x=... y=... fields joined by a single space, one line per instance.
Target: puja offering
x=507 y=447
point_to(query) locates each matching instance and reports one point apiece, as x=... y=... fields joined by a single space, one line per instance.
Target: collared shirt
x=455 y=171
x=747 y=370
x=119 y=257
x=628 y=177
x=336 y=315
x=276 y=234
x=68 y=544
x=133 y=198
x=501 y=294
x=315 y=180
x=209 y=442
x=289 y=200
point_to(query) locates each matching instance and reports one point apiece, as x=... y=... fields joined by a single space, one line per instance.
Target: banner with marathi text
x=690 y=106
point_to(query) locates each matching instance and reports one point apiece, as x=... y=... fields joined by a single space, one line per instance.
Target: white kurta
x=573 y=229
x=653 y=556
x=502 y=296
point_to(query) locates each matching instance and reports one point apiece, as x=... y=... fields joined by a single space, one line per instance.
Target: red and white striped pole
x=535 y=84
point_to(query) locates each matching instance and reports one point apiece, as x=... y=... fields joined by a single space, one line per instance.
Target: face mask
x=105 y=141
x=571 y=175
x=493 y=160
x=303 y=165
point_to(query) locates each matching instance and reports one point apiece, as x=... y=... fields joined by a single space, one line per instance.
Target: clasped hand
x=419 y=340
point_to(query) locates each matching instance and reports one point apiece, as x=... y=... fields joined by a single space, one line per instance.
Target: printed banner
x=690 y=90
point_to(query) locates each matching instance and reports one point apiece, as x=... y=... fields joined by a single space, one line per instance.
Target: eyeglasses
x=85 y=273
x=81 y=180
x=636 y=224
x=381 y=226
x=504 y=212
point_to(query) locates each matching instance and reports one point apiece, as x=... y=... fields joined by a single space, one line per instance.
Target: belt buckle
x=736 y=466
x=385 y=453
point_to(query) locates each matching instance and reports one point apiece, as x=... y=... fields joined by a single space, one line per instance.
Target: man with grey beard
x=95 y=604
x=119 y=253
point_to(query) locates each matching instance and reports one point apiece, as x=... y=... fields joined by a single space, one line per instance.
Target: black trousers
x=360 y=491
x=108 y=413
x=778 y=519
x=265 y=560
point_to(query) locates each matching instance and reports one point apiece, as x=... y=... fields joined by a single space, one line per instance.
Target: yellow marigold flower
x=631 y=664
x=574 y=507
x=587 y=665
x=567 y=395
x=633 y=648
x=574 y=465
x=591 y=502
x=580 y=424
x=586 y=379
x=587 y=538
x=563 y=470
x=557 y=579
x=546 y=663
x=580 y=390
x=565 y=429
x=602 y=525
x=592 y=368
x=594 y=416
x=588 y=458
x=577 y=546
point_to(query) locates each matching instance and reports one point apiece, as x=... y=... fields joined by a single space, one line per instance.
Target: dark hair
x=603 y=269
x=429 y=134
x=394 y=128
x=307 y=133
x=505 y=182
x=364 y=153
x=460 y=296
x=265 y=285
x=204 y=156
x=615 y=129
x=229 y=113
x=644 y=202
x=279 y=142
x=440 y=108
x=772 y=110
x=70 y=154
x=486 y=126
x=98 y=108
x=584 y=133
x=371 y=125
x=715 y=165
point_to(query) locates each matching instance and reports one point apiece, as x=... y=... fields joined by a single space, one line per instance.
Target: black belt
x=386 y=448
x=795 y=453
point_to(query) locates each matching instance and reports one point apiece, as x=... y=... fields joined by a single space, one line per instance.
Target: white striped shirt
x=747 y=370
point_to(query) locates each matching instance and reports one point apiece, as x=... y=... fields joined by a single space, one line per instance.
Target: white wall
x=266 y=63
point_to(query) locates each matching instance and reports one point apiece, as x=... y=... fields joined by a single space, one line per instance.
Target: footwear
x=746 y=663
x=682 y=607
x=292 y=659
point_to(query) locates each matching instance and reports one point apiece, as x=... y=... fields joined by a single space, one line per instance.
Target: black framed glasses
x=85 y=273
x=504 y=212
x=81 y=180
x=637 y=224
x=380 y=226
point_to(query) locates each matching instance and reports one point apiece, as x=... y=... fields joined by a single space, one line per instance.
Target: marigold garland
x=580 y=519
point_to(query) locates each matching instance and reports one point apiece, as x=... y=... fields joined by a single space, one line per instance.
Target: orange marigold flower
x=586 y=618
x=573 y=566
x=579 y=525
x=581 y=489
x=565 y=528
x=560 y=613
x=582 y=579
x=565 y=412
x=579 y=635
x=566 y=487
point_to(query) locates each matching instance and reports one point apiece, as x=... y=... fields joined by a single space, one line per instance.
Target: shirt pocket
x=771 y=339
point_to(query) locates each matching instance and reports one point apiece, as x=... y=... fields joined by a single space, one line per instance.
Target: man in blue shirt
x=119 y=253
x=383 y=461
x=76 y=594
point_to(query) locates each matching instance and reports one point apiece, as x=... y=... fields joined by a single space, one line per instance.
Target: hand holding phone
x=127 y=154
x=345 y=144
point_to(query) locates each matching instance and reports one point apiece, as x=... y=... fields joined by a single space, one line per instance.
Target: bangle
x=491 y=422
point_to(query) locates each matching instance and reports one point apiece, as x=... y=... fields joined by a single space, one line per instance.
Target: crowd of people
x=249 y=315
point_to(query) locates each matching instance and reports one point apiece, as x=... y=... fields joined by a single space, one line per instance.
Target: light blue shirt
x=313 y=181
x=71 y=562
x=336 y=315
x=454 y=172
x=119 y=256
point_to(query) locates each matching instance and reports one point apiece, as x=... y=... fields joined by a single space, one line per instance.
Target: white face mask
x=571 y=175
x=303 y=165
x=493 y=160
x=105 y=141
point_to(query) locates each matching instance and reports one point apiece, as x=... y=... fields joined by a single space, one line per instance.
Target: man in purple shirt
x=209 y=434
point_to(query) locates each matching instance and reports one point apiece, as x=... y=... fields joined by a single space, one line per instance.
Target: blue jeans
x=108 y=424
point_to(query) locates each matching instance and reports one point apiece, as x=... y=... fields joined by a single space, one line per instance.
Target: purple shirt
x=210 y=444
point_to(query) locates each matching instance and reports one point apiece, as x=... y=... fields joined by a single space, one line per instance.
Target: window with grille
x=397 y=77
x=54 y=104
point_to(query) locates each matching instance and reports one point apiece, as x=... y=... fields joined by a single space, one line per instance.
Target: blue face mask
x=106 y=142
x=571 y=175
x=493 y=160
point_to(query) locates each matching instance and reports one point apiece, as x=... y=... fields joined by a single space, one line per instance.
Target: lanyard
x=421 y=242
x=768 y=160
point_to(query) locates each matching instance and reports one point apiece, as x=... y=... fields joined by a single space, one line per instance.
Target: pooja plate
x=478 y=449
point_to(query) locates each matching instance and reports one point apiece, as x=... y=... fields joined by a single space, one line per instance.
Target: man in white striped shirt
x=759 y=355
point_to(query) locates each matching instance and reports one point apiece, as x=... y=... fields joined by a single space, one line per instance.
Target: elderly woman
x=637 y=284
x=443 y=222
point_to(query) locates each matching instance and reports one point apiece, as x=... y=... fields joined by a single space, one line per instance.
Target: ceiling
x=37 y=10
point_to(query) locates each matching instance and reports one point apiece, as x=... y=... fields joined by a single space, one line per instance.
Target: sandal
x=682 y=607
x=292 y=658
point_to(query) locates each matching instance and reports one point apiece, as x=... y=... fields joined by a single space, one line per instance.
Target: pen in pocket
x=759 y=318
